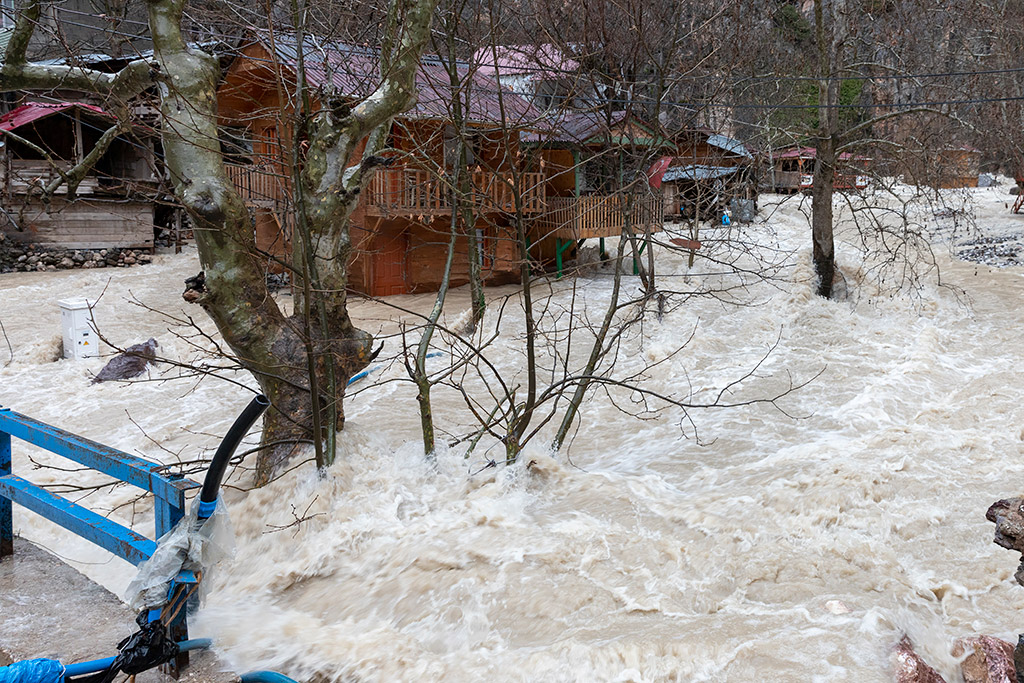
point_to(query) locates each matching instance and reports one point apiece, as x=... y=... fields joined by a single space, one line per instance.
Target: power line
x=702 y=104
x=545 y=70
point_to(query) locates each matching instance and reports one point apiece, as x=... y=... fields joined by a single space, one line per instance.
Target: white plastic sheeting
x=188 y=546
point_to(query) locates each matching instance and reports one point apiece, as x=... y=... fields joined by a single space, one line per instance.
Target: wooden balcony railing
x=258 y=185
x=411 y=192
x=576 y=218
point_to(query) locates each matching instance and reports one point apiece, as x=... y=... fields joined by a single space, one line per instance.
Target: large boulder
x=910 y=668
x=1008 y=515
x=990 y=660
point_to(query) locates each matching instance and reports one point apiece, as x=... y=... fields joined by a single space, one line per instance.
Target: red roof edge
x=27 y=113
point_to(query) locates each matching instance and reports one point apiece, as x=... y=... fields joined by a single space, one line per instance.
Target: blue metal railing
x=168 y=495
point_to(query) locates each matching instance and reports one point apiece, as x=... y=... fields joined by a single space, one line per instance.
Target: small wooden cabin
x=793 y=170
x=112 y=207
x=708 y=171
x=955 y=167
x=400 y=229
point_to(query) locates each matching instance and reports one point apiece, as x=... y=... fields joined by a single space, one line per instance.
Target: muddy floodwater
x=794 y=541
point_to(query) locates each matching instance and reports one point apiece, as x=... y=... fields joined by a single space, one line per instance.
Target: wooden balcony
x=259 y=186
x=408 y=193
x=577 y=218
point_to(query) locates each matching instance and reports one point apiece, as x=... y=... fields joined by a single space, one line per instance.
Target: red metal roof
x=545 y=61
x=27 y=113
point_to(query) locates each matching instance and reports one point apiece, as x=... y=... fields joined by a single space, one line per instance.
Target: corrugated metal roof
x=575 y=126
x=697 y=172
x=585 y=127
x=27 y=113
x=354 y=71
x=796 y=153
x=541 y=61
x=5 y=37
x=730 y=145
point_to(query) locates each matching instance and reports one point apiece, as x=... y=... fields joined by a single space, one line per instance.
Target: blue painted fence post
x=166 y=513
x=6 y=520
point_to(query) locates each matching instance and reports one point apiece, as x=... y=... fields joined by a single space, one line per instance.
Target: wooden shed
x=954 y=167
x=113 y=205
x=708 y=171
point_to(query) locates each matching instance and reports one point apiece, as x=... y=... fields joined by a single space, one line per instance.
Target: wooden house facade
x=113 y=206
x=400 y=229
x=946 y=168
x=592 y=165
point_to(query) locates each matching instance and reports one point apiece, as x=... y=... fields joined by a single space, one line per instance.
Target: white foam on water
x=788 y=542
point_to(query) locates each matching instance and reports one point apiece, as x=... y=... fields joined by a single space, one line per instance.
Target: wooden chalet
x=708 y=171
x=400 y=229
x=113 y=205
x=592 y=167
x=952 y=167
x=793 y=170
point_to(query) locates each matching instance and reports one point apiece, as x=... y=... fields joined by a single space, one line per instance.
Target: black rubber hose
x=214 y=475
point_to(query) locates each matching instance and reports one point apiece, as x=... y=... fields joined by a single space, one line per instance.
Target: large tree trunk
x=829 y=19
x=231 y=287
x=821 y=216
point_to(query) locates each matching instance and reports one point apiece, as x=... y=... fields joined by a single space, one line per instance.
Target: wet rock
x=910 y=668
x=1008 y=515
x=990 y=660
x=1018 y=657
x=131 y=363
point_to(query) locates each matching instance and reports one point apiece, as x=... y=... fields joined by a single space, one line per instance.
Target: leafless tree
x=301 y=362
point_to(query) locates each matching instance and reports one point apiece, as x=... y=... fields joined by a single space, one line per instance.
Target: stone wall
x=15 y=257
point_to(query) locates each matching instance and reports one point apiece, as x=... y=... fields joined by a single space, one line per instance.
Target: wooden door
x=389 y=257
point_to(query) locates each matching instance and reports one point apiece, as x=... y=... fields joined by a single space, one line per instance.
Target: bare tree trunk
x=829 y=17
x=232 y=288
x=419 y=369
x=821 y=216
x=597 y=351
x=477 y=298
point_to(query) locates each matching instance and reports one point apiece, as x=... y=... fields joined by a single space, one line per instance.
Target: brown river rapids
x=786 y=542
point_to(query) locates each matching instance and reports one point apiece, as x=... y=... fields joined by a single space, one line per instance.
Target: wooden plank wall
x=83 y=224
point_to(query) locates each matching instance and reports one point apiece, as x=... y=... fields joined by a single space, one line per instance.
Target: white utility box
x=80 y=340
